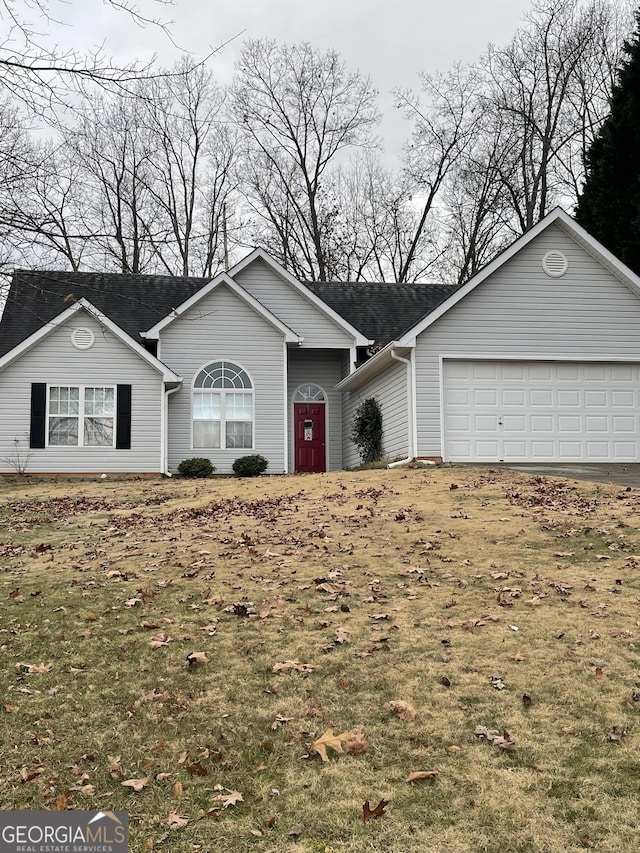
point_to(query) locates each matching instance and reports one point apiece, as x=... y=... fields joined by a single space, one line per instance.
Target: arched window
x=309 y=394
x=222 y=407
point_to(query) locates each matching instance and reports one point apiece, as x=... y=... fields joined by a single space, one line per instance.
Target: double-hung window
x=81 y=416
x=222 y=407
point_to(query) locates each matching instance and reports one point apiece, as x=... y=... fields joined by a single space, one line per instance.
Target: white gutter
x=410 y=410
x=165 y=430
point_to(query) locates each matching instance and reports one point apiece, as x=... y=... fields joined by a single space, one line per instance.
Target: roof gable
x=557 y=216
x=223 y=279
x=83 y=305
x=132 y=302
x=305 y=292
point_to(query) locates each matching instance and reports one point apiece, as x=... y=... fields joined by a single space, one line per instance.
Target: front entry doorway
x=309 y=430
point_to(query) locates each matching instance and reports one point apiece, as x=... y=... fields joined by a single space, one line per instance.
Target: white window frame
x=81 y=416
x=222 y=392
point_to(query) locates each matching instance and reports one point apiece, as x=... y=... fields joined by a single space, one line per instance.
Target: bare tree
x=298 y=110
x=46 y=209
x=191 y=178
x=40 y=74
x=443 y=128
x=548 y=87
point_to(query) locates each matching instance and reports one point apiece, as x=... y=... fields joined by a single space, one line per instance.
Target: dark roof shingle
x=381 y=311
x=133 y=302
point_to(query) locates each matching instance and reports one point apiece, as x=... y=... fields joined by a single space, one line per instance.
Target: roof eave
x=376 y=364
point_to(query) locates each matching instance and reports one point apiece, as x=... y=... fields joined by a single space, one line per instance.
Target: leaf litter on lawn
x=153 y=627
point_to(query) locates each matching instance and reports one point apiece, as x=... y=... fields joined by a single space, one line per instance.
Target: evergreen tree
x=609 y=205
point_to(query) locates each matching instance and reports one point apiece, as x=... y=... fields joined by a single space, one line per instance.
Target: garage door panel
x=485 y=396
x=541 y=450
x=622 y=423
x=514 y=397
x=622 y=398
x=486 y=423
x=568 y=372
x=514 y=449
x=541 y=423
x=541 y=398
x=541 y=411
x=596 y=423
x=514 y=423
x=622 y=450
x=458 y=423
x=486 y=450
x=568 y=398
x=540 y=371
x=597 y=450
x=458 y=397
x=595 y=398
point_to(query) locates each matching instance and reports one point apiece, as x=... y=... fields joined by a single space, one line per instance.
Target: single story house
x=536 y=358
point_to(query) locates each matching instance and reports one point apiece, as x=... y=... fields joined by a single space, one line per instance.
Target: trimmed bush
x=250 y=466
x=366 y=431
x=198 y=466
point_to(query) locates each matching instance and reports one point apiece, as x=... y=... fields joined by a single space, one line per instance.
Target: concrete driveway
x=621 y=474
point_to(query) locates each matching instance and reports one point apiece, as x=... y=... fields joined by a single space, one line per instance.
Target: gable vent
x=555 y=264
x=82 y=338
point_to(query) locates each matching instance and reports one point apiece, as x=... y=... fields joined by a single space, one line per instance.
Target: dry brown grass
x=442 y=585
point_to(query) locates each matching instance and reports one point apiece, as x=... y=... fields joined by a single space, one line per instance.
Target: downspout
x=165 y=429
x=410 y=403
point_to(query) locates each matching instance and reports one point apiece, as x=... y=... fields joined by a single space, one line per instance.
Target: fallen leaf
x=136 y=784
x=368 y=813
x=357 y=744
x=296 y=831
x=195 y=658
x=230 y=799
x=289 y=665
x=159 y=640
x=404 y=710
x=329 y=741
x=616 y=733
x=417 y=775
x=342 y=635
x=175 y=821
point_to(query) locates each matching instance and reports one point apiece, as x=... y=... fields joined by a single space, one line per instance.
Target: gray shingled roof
x=381 y=311
x=133 y=302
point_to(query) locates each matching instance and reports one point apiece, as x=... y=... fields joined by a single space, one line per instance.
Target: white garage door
x=541 y=411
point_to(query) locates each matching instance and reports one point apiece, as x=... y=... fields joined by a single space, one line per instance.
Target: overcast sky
x=389 y=40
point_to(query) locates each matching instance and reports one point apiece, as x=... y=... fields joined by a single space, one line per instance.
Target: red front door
x=310 y=454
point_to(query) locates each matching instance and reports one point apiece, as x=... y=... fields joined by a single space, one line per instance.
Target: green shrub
x=366 y=430
x=250 y=466
x=198 y=466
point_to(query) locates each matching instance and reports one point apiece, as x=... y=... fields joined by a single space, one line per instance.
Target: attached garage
x=540 y=411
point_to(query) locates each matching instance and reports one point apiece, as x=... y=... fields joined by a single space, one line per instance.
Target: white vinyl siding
x=323 y=368
x=390 y=391
x=56 y=362
x=292 y=307
x=223 y=327
x=519 y=312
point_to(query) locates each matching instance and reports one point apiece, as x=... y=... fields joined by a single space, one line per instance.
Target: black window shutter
x=38 y=414
x=123 y=417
